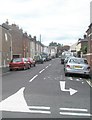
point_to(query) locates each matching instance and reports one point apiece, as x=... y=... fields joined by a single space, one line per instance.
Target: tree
x=54 y=44
x=84 y=49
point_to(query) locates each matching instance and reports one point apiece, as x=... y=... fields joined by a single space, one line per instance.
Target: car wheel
x=66 y=74
x=34 y=65
x=10 y=69
x=88 y=76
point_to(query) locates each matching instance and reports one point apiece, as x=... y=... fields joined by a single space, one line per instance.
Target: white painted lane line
x=76 y=114
x=40 y=111
x=39 y=107
x=33 y=78
x=74 y=109
x=41 y=70
x=47 y=66
x=89 y=83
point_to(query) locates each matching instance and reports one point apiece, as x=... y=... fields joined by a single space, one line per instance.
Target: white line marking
x=75 y=114
x=33 y=78
x=89 y=83
x=73 y=109
x=40 y=111
x=39 y=107
x=47 y=66
x=41 y=70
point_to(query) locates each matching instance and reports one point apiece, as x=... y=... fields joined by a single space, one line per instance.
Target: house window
x=6 y=38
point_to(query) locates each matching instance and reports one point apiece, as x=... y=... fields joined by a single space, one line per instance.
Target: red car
x=31 y=62
x=19 y=63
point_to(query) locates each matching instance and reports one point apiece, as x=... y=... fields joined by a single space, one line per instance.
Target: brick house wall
x=5 y=47
x=0 y=45
x=17 y=35
x=26 y=45
x=89 y=52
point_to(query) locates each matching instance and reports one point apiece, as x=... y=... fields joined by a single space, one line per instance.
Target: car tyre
x=66 y=74
x=10 y=69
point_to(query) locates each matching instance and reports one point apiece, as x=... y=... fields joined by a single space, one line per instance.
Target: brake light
x=68 y=66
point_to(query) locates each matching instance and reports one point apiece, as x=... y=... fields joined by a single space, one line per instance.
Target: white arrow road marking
x=62 y=86
x=17 y=103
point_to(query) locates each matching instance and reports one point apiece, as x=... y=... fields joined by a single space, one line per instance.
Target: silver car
x=77 y=66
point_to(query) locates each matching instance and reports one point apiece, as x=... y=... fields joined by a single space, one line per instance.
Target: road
x=44 y=92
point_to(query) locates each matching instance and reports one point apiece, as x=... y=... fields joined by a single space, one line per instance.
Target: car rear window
x=17 y=60
x=79 y=61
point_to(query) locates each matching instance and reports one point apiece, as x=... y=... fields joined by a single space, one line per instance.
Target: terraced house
x=16 y=43
x=5 y=46
x=89 y=36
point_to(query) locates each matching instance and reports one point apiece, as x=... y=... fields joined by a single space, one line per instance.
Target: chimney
x=7 y=22
x=84 y=36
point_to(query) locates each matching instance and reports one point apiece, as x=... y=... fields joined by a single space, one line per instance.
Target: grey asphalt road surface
x=44 y=92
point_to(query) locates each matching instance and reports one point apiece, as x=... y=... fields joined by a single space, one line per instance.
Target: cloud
x=55 y=20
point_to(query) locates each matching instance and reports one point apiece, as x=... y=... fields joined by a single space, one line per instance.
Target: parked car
x=19 y=63
x=38 y=59
x=45 y=56
x=64 y=55
x=77 y=65
x=31 y=62
x=66 y=60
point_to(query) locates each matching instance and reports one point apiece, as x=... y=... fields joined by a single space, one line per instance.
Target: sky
x=61 y=21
